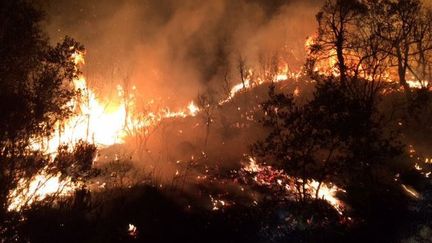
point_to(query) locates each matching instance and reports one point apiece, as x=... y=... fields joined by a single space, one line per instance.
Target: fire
x=411 y=191
x=132 y=230
x=418 y=85
x=252 y=166
x=99 y=123
x=105 y=123
x=78 y=58
x=94 y=122
x=268 y=176
x=218 y=204
x=193 y=109
x=236 y=89
x=327 y=192
x=283 y=74
x=328 y=66
x=38 y=188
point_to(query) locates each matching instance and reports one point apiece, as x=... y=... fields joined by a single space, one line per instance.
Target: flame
x=38 y=188
x=268 y=176
x=252 y=166
x=193 y=109
x=328 y=66
x=78 y=58
x=411 y=191
x=327 y=192
x=218 y=204
x=283 y=74
x=132 y=230
x=104 y=124
x=99 y=123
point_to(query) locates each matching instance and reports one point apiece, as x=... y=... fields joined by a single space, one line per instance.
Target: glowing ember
x=411 y=191
x=418 y=85
x=78 y=58
x=252 y=166
x=193 y=109
x=218 y=204
x=327 y=192
x=268 y=176
x=132 y=230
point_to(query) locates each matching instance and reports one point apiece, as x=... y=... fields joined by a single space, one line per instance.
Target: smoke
x=172 y=50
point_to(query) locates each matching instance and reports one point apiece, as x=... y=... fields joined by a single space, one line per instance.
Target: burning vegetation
x=324 y=141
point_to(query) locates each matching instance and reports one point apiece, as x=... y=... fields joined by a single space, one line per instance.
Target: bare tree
x=405 y=27
x=242 y=68
x=421 y=66
x=226 y=85
x=144 y=123
x=206 y=105
x=268 y=67
x=336 y=21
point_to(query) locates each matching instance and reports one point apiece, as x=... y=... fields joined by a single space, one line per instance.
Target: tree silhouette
x=395 y=25
x=336 y=22
x=375 y=40
x=206 y=105
x=338 y=136
x=35 y=88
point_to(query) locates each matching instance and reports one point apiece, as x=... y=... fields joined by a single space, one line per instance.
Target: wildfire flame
x=266 y=175
x=132 y=230
x=38 y=188
x=95 y=122
x=328 y=66
x=104 y=124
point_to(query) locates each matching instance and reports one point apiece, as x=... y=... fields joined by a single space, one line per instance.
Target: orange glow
x=38 y=188
x=132 y=230
x=326 y=191
x=411 y=191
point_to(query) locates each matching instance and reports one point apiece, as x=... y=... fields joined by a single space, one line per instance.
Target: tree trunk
x=402 y=66
x=341 y=60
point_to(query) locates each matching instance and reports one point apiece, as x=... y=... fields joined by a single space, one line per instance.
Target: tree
x=422 y=63
x=336 y=22
x=338 y=136
x=268 y=67
x=395 y=25
x=294 y=144
x=403 y=27
x=206 y=104
x=35 y=90
x=374 y=40
x=242 y=69
x=76 y=161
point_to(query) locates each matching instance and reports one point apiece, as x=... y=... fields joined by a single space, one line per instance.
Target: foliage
x=78 y=162
x=338 y=137
x=35 y=90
